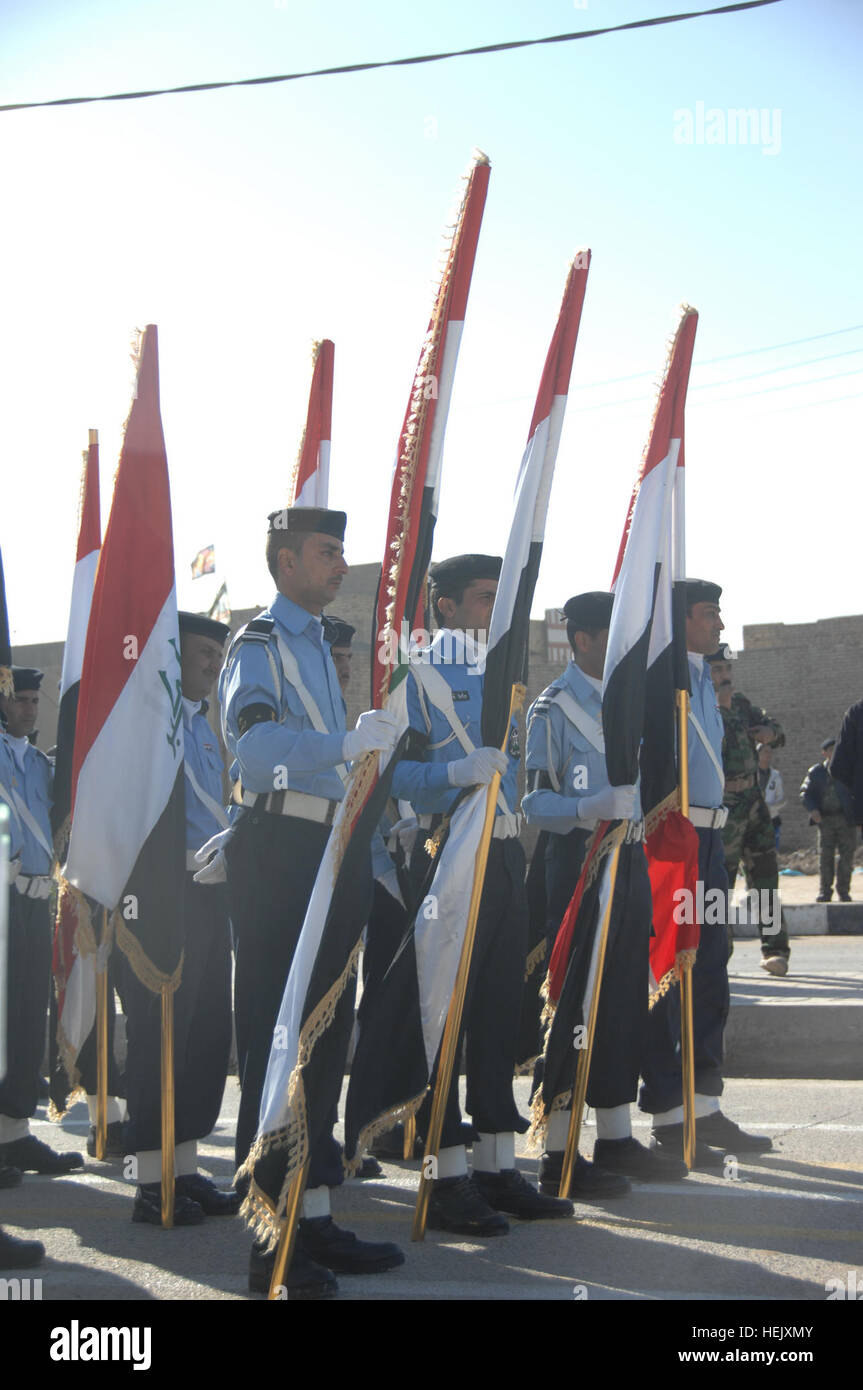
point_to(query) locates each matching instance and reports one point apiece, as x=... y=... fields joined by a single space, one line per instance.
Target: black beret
x=459 y=570
x=701 y=591
x=723 y=652
x=197 y=625
x=26 y=678
x=295 y=520
x=336 y=631
x=828 y=743
x=588 y=611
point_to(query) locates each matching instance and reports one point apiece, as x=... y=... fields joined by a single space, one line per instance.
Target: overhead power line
x=394 y=62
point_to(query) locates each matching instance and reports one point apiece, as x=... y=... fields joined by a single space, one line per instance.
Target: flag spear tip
x=479 y=156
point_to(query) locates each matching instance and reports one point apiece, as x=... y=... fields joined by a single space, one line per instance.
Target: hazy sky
x=248 y=222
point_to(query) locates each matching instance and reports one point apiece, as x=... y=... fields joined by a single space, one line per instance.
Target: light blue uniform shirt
x=13 y=825
x=26 y=771
x=426 y=785
x=202 y=755
x=555 y=745
x=706 y=787
x=292 y=743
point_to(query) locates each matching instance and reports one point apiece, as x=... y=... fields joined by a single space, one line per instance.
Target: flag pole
x=410 y=1138
x=102 y=1044
x=452 y=1028
x=288 y=1234
x=687 y=1043
x=582 y=1072
x=167 y=1105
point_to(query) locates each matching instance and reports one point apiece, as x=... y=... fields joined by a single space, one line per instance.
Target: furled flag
x=127 y=844
x=73 y=960
x=410 y=526
x=311 y=478
x=204 y=562
x=644 y=660
x=401 y=1035
x=316 y=1017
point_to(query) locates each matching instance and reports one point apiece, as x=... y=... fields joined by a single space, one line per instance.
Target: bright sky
x=248 y=222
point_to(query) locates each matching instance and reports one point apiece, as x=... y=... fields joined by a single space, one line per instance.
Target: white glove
x=215 y=871
x=612 y=803
x=478 y=768
x=390 y=881
x=405 y=831
x=376 y=731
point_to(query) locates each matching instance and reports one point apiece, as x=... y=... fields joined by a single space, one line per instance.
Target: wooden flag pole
x=687 y=1042
x=452 y=1028
x=167 y=1106
x=287 y=1235
x=582 y=1072
x=410 y=1138
x=102 y=1045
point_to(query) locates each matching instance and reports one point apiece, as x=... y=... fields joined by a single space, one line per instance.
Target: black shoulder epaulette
x=258 y=630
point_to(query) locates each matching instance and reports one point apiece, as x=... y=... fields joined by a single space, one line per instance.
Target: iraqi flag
x=646 y=659
x=311 y=481
x=400 y=1037
x=643 y=658
x=73 y=957
x=410 y=525
x=127 y=844
x=316 y=1018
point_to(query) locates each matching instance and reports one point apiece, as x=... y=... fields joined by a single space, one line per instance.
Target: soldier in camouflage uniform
x=748 y=833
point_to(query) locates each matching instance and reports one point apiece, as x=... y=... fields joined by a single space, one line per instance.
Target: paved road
x=787 y=1223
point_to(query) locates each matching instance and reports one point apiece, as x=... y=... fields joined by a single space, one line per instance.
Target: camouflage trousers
x=836 y=836
x=748 y=839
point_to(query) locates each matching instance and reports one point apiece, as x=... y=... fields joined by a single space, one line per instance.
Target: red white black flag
x=127 y=844
x=311 y=481
x=401 y=1035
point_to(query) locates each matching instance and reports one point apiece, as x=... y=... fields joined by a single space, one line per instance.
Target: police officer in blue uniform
x=27 y=780
x=284 y=724
x=444 y=699
x=661 y=1094
x=202 y=1003
x=568 y=793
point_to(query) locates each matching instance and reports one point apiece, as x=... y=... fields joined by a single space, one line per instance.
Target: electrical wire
x=394 y=62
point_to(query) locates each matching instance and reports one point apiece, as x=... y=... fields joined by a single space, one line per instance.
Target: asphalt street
x=776 y=1227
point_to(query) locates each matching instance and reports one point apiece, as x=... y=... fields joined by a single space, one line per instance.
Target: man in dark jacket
x=829 y=804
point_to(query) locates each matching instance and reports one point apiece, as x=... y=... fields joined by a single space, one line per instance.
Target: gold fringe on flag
x=150 y=977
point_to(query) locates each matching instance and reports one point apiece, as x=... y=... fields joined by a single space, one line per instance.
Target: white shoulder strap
x=215 y=810
x=293 y=677
x=24 y=816
x=439 y=693
x=709 y=749
x=584 y=722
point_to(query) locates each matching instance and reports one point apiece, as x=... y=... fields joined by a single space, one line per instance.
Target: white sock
x=494 y=1153
x=12 y=1129
x=452 y=1163
x=112 y=1110
x=557 y=1131
x=704 y=1105
x=150 y=1162
x=614 y=1122
x=316 y=1202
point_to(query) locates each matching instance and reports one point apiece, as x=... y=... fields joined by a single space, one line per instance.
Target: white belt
x=507 y=825
x=634 y=833
x=300 y=804
x=708 y=818
x=34 y=885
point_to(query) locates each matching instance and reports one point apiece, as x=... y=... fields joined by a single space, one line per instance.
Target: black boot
x=306 y=1280
x=457 y=1204
x=511 y=1192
